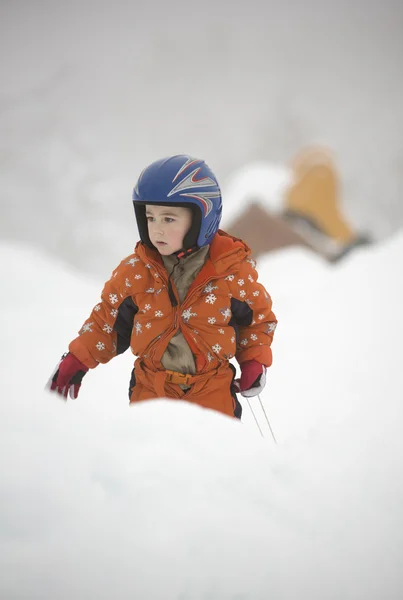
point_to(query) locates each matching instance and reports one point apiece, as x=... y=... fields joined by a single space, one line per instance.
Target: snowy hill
x=165 y=500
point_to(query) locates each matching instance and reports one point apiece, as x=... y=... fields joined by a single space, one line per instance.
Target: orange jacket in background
x=226 y=313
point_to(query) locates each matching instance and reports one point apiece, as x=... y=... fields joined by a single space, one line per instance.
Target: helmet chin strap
x=182 y=253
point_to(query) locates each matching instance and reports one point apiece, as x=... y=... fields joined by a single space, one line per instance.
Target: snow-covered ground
x=165 y=500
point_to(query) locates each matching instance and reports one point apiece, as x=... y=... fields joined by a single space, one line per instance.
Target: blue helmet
x=180 y=181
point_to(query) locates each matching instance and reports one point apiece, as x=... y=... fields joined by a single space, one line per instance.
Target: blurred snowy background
x=92 y=91
x=165 y=501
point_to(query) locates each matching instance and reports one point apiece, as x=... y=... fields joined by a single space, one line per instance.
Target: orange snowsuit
x=225 y=314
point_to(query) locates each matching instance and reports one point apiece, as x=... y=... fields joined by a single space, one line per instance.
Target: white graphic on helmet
x=190 y=183
x=204 y=198
x=190 y=161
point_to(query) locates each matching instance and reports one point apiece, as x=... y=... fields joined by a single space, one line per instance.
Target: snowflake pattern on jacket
x=226 y=312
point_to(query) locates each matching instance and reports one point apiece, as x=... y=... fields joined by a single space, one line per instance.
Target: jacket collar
x=226 y=251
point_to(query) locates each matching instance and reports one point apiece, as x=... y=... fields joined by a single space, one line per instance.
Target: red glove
x=253 y=378
x=67 y=376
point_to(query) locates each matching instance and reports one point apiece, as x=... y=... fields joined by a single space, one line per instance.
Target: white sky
x=169 y=501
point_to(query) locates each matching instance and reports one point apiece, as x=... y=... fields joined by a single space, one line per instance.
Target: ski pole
x=267 y=419
x=254 y=416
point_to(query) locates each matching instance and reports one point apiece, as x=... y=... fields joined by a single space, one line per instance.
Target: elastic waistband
x=175 y=377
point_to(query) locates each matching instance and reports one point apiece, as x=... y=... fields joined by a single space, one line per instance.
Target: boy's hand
x=67 y=376
x=253 y=378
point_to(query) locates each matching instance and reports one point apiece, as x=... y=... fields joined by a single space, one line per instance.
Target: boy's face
x=167 y=227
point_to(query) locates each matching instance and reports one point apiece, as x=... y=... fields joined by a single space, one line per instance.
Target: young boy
x=186 y=301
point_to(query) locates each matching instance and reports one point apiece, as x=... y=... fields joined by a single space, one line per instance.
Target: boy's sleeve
x=107 y=331
x=252 y=314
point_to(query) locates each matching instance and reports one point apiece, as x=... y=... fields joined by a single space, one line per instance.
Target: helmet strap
x=182 y=253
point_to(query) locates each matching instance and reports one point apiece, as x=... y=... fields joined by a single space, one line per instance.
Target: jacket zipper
x=174 y=303
x=196 y=290
x=188 y=301
x=171 y=294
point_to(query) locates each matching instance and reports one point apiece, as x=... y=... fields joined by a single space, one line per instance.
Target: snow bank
x=168 y=501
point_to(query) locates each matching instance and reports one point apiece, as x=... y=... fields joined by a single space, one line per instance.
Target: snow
x=260 y=182
x=165 y=500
